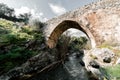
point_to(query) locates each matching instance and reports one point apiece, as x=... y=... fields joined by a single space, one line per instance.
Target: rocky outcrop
x=98 y=58
x=32 y=67
x=99 y=21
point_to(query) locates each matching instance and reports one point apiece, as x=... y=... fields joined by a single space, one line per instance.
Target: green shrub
x=16 y=56
x=8 y=65
x=13 y=41
x=78 y=43
x=6 y=24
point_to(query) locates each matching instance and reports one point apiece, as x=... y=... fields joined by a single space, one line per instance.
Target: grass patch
x=104 y=45
x=113 y=72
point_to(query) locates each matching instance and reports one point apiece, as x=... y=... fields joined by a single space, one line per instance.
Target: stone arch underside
x=63 y=26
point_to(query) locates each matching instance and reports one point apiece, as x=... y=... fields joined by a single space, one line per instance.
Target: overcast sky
x=45 y=9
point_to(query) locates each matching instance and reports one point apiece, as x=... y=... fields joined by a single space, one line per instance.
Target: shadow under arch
x=63 y=26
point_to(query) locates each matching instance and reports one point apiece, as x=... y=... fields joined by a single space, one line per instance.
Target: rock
x=94 y=64
x=118 y=61
x=33 y=65
x=91 y=66
x=103 y=54
x=94 y=70
x=96 y=74
x=107 y=59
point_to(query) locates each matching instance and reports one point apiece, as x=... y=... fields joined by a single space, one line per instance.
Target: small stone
x=107 y=59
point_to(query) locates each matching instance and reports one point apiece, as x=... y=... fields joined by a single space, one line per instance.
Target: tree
x=9 y=14
x=25 y=17
x=6 y=11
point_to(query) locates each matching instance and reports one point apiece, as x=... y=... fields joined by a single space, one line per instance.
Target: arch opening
x=65 y=25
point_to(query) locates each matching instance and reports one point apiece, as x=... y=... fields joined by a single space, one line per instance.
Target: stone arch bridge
x=100 y=21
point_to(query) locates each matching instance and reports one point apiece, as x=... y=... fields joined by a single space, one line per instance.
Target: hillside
x=17 y=44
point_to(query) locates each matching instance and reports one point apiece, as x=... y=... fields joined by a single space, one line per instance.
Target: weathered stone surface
x=118 y=61
x=93 y=67
x=99 y=21
x=104 y=56
x=93 y=60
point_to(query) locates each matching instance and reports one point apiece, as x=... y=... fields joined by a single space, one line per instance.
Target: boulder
x=104 y=54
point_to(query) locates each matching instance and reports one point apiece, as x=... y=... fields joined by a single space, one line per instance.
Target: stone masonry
x=100 y=21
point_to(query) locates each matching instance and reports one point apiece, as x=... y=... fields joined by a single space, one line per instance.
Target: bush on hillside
x=17 y=44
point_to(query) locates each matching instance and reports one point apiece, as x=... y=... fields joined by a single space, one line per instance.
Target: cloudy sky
x=45 y=9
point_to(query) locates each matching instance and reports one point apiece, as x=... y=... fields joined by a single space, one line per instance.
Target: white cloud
x=74 y=32
x=58 y=10
x=35 y=15
x=23 y=10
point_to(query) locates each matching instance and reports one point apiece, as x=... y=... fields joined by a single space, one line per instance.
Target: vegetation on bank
x=17 y=44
